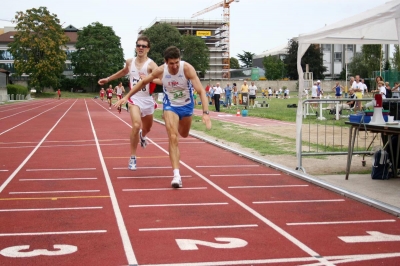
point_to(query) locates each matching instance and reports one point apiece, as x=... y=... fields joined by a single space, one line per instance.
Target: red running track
x=67 y=198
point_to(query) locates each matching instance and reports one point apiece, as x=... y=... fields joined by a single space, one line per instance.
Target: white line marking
x=51 y=209
x=275 y=227
x=155 y=176
x=270 y=186
x=34 y=150
x=296 y=201
x=221 y=166
x=37 y=116
x=126 y=242
x=3 y=170
x=52 y=146
x=154 y=189
x=178 y=205
x=59 y=179
x=343 y=222
x=198 y=227
x=54 y=233
x=142 y=168
x=61 y=191
x=23 y=111
x=247 y=175
x=65 y=169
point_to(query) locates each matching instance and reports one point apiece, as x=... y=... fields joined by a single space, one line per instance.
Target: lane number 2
x=191 y=244
x=23 y=251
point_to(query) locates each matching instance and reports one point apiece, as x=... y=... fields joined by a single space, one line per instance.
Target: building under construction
x=213 y=32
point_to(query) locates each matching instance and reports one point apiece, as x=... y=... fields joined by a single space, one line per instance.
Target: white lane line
x=222 y=166
x=269 y=223
x=51 y=146
x=141 y=168
x=37 y=116
x=343 y=222
x=241 y=262
x=126 y=242
x=296 y=201
x=248 y=175
x=22 y=111
x=198 y=227
x=155 y=176
x=34 y=150
x=179 y=205
x=3 y=170
x=156 y=189
x=61 y=191
x=54 y=233
x=51 y=209
x=269 y=186
x=58 y=179
x=63 y=169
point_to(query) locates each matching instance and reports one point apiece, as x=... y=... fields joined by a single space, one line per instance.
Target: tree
x=357 y=66
x=372 y=54
x=342 y=75
x=396 y=58
x=162 y=36
x=274 y=67
x=196 y=53
x=313 y=57
x=246 y=58
x=98 y=53
x=387 y=65
x=234 y=63
x=38 y=47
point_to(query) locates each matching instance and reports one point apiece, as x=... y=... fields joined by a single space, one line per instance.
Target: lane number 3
x=191 y=244
x=22 y=251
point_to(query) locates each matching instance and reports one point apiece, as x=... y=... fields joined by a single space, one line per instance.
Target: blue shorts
x=182 y=111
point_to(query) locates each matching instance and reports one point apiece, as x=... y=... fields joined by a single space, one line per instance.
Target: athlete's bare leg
x=136 y=121
x=147 y=123
x=176 y=127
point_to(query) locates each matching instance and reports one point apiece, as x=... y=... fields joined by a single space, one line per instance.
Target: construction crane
x=225 y=34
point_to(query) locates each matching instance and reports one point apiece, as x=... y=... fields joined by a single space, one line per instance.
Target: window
x=6 y=55
x=326 y=47
x=349 y=47
x=338 y=57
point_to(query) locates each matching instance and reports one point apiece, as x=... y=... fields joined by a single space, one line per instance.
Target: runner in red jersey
x=109 y=93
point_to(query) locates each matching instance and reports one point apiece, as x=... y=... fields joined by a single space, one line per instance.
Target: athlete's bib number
x=110 y=94
x=178 y=95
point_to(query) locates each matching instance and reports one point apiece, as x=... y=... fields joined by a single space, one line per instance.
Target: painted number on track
x=191 y=244
x=374 y=236
x=23 y=251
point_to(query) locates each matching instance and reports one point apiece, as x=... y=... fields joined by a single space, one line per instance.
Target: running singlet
x=178 y=90
x=119 y=90
x=338 y=91
x=109 y=93
x=134 y=77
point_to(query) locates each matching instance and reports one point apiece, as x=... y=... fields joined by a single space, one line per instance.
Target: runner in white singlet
x=141 y=105
x=179 y=79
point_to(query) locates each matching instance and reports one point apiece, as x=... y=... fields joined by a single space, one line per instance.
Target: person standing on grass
x=109 y=93
x=178 y=78
x=119 y=90
x=338 y=90
x=235 y=94
x=252 y=94
x=269 y=93
x=228 y=96
x=59 y=94
x=141 y=105
x=217 y=95
x=102 y=91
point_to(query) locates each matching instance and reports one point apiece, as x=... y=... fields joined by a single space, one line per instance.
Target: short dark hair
x=144 y=38
x=172 y=52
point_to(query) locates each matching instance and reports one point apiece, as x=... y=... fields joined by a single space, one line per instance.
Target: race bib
x=110 y=94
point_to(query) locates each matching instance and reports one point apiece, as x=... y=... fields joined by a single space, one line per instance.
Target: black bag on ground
x=381 y=165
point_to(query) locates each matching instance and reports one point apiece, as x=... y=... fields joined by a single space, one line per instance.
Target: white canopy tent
x=380 y=25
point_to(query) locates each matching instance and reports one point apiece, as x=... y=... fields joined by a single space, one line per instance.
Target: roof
x=5 y=38
x=281 y=49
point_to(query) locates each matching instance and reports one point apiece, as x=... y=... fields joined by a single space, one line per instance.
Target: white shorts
x=145 y=104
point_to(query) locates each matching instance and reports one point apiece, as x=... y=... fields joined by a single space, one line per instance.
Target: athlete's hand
x=120 y=102
x=102 y=81
x=207 y=121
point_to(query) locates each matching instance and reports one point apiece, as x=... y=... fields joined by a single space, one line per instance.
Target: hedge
x=17 y=89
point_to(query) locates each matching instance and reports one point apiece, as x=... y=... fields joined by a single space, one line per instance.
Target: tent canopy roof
x=374 y=26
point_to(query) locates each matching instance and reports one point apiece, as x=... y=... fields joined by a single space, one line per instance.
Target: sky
x=256 y=25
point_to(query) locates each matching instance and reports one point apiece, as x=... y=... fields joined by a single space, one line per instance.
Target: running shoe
x=143 y=141
x=176 y=182
x=132 y=164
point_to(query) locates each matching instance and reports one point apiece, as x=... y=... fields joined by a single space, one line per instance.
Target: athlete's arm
x=191 y=74
x=157 y=73
x=150 y=67
x=123 y=72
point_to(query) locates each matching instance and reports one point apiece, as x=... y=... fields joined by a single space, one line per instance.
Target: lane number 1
x=191 y=244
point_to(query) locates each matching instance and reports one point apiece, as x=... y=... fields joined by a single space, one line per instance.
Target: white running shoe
x=143 y=141
x=132 y=164
x=176 y=182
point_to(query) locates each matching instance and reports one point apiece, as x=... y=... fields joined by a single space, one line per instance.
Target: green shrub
x=17 y=89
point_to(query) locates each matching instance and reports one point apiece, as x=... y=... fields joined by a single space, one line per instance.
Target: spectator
x=252 y=94
x=358 y=88
x=286 y=93
x=207 y=89
x=217 y=95
x=228 y=95
x=396 y=90
x=269 y=93
x=319 y=91
x=314 y=93
x=235 y=94
x=388 y=93
x=382 y=89
x=338 y=90
x=365 y=88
